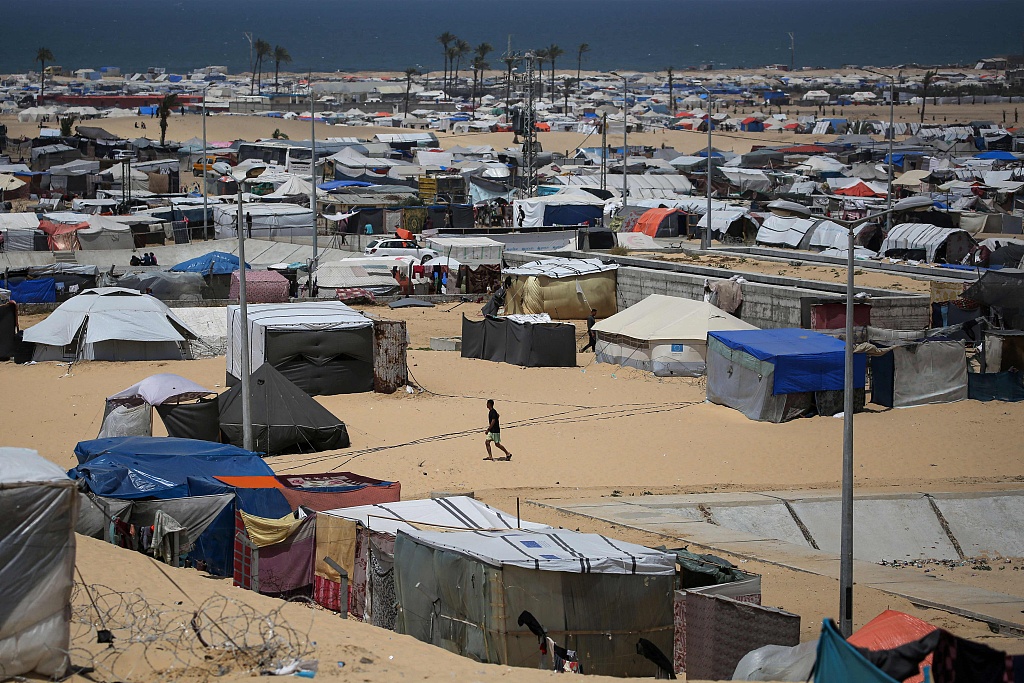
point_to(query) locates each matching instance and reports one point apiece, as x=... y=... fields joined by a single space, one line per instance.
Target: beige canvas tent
x=564 y=288
x=665 y=335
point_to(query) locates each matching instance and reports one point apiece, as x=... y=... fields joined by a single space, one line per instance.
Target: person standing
x=591 y=335
x=493 y=432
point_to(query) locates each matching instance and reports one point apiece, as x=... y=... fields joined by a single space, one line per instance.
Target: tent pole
x=243 y=311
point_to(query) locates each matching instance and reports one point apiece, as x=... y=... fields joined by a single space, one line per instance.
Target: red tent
x=62 y=236
x=860 y=189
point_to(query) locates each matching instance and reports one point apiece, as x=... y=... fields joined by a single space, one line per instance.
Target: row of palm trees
x=262 y=50
x=455 y=49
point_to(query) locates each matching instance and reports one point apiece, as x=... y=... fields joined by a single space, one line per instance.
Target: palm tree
x=453 y=52
x=168 y=103
x=480 y=53
x=554 y=52
x=510 y=63
x=280 y=56
x=926 y=83
x=43 y=55
x=671 y=95
x=262 y=49
x=462 y=49
x=541 y=56
x=580 y=51
x=446 y=39
x=409 y=73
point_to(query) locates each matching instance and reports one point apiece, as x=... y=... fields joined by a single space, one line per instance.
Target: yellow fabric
x=560 y=298
x=336 y=539
x=946 y=291
x=263 y=531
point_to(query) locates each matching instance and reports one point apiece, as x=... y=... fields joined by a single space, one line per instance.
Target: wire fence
x=122 y=636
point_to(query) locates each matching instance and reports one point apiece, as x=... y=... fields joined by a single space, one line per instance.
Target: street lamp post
x=312 y=179
x=625 y=142
x=785 y=208
x=705 y=235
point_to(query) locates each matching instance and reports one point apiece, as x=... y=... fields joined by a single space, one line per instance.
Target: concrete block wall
x=772 y=302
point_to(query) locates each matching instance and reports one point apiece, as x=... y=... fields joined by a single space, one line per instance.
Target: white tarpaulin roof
x=556 y=550
x=670 y=318
x=918 y=236
x=785 y=231
x=456 y=512
x=562 y=267
x=112 y=313
x=23 y=465
x=161 y=388
x=472 y=251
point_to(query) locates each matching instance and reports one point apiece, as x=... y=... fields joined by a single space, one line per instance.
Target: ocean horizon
x=643 y=35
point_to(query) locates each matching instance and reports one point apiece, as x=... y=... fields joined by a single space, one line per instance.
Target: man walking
x=494 y=432
x=591 y=335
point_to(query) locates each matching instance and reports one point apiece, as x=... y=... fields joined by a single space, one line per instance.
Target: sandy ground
x=227 y=128
x=582 y=432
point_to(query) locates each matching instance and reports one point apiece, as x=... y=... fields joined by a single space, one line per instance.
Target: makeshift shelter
x=563 y=208
x=261 y=287
x=62 y=229
x=38 y=514
x=661 y=223
x=1003 y=292
x=111 y=323
x=105 y=233
x=925 y=242
x=665 y=335
x=367 y=553
x=275 y=556
x=919 y=374
x=131 y=479
x=542 y=572
x=564 y=288
x=802 y=233
x=130 y=412
x=468 y=251
x=213 y=263
x=777 y=375
x=323 y=347
x=890 y=630
x=268 y=220
x=284 y=418
x=526 y=343
x=730 y=225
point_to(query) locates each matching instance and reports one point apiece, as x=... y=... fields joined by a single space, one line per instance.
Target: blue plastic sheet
x=803 y=360
x=214 y=263
x=41 y=291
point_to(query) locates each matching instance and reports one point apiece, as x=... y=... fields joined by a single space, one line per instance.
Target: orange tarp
x=257 y=482
x=889 y=630
x=650 y=221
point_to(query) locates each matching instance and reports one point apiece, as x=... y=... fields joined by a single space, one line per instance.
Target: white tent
x=39 y=505
x=665 y=335
x=923 y=241
x=105 y=233
x=111 y=323
x=268 y=220
x=472 y=251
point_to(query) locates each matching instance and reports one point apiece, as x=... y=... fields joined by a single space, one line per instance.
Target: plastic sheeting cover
x=37 y=543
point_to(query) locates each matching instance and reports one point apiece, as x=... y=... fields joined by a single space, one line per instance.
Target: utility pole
x=529 y=128
x=248 y=36
x=792 y=51
x=604 y=152
x=312 y=178
x=243 y=311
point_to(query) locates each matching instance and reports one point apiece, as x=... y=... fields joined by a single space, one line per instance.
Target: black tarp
x=462 y=216
x=323 y=362
x=883 y=379
x=199 y=420
x=532 y=345
x=284 y=418
x=995 y=386
x=1003 y=290
x=1008 y=256
x=8 y=330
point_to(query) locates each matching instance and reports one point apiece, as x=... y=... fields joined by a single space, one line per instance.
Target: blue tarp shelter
x=335 y=184
x=998 y=155
x=40 y=291
x=776 y=375
x=214 y=263
x=128 y=467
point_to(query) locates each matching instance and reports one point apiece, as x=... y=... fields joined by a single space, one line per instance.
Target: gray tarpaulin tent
x=531 y=345
x=38 y=512
x=926 y=242
x=919 y=374
x=464 y=591
x=130 y=412
x=323 y=347
x=1002 y=290
x=111 y=323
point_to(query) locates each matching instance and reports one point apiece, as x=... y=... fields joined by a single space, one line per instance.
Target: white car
x=394 y=246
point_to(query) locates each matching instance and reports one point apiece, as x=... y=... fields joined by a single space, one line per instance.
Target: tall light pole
x=705 y=235
x=892 y=137
x=206 y=206
x=625 y=142
x=790 y=209
x=243 y=311
x=312 y=178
